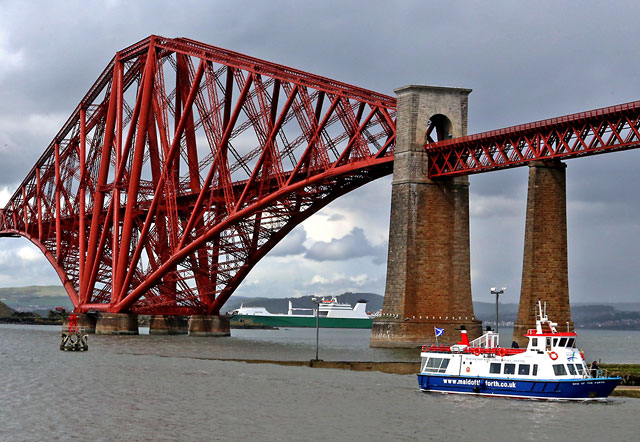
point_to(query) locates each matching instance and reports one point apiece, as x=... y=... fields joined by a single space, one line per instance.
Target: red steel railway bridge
x=185 y=164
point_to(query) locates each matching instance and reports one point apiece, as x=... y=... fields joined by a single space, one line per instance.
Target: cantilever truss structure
x=184 y=165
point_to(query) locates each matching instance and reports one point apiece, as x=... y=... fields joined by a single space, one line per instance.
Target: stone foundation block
x=413 y=333
x=168 y=325
x=209 y=325
x=117 y=324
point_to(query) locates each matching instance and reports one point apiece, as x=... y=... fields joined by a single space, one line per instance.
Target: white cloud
x=366 y=208
x=359 y=279
x=317 y=279
x=5 y=195
x=22 y=263
x=30 y=253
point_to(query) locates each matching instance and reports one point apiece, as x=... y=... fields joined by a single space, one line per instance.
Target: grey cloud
x=336 y=217
x=292 y=244
x=353 y=245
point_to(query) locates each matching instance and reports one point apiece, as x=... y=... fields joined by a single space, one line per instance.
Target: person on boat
x=594 y=368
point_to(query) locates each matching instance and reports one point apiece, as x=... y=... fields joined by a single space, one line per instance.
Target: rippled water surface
x=160 y=388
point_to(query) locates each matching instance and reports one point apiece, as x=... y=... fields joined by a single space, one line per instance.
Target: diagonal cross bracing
x=586 y=133
x=184 y=165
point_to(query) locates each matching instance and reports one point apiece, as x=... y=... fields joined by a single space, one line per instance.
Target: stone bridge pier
x=545 y=274
x=428 y=272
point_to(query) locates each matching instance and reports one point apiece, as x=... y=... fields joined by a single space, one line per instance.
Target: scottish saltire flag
x=439 y=331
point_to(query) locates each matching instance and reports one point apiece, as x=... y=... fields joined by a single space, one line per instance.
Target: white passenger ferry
x=551 y=367
x=331 y=314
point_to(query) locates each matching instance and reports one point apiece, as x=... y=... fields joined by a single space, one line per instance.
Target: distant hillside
x=5 y=311
x=35 y=298
x=611 y=316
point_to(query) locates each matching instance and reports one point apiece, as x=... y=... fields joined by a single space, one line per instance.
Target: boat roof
x=532 y=332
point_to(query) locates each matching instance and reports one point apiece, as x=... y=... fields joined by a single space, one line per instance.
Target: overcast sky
x=525 y=61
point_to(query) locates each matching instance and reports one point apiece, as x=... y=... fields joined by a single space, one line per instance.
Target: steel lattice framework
x=184 y=165
x=585 y=133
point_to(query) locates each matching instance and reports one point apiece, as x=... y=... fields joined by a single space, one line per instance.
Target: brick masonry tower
x=428 y=272
x=544 y=269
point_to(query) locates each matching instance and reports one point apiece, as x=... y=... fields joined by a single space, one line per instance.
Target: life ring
x=476 y=352
x=501 y=352
x=468 y=369
x=553 y=355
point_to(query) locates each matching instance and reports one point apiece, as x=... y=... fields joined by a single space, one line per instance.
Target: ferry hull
x=570 y=389
x=284 y=321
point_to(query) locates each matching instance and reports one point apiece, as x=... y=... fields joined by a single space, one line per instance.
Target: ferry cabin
x=566 y=360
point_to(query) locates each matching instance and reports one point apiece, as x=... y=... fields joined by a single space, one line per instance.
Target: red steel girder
x=184 y=165
x=586 y=133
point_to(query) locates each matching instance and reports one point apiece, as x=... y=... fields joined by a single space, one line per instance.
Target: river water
x=152 y=388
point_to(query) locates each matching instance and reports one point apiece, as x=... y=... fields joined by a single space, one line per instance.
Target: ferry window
x=436 y=365
x=579 y=367
x=433 y=364
x=555 y=342
x=494 y=368
x=563 y=342
x=535 y=370
x=559 y=370
x=572 y=368
x=534 y=342
x=509 y=368
x=548 y=342
x=571 y=342
x=523 y=369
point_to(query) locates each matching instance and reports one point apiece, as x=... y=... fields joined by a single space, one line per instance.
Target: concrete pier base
x=396 y=333
x=209 y=325
x=168 y=325
x=545 y=274
x=86 y=322
x=117 y=324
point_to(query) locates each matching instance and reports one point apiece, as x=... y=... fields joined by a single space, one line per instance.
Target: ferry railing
x=598 y=373
x=488 y=340
x=499 y=351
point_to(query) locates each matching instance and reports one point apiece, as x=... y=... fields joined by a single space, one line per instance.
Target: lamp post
x=497 y=292
x=317 y=303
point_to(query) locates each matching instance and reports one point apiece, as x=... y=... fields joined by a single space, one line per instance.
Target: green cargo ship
x=331 y=314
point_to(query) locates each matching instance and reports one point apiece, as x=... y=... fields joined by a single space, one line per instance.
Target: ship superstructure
x=551 y=367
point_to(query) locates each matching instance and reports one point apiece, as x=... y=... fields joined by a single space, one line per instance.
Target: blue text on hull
x=543 y=388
